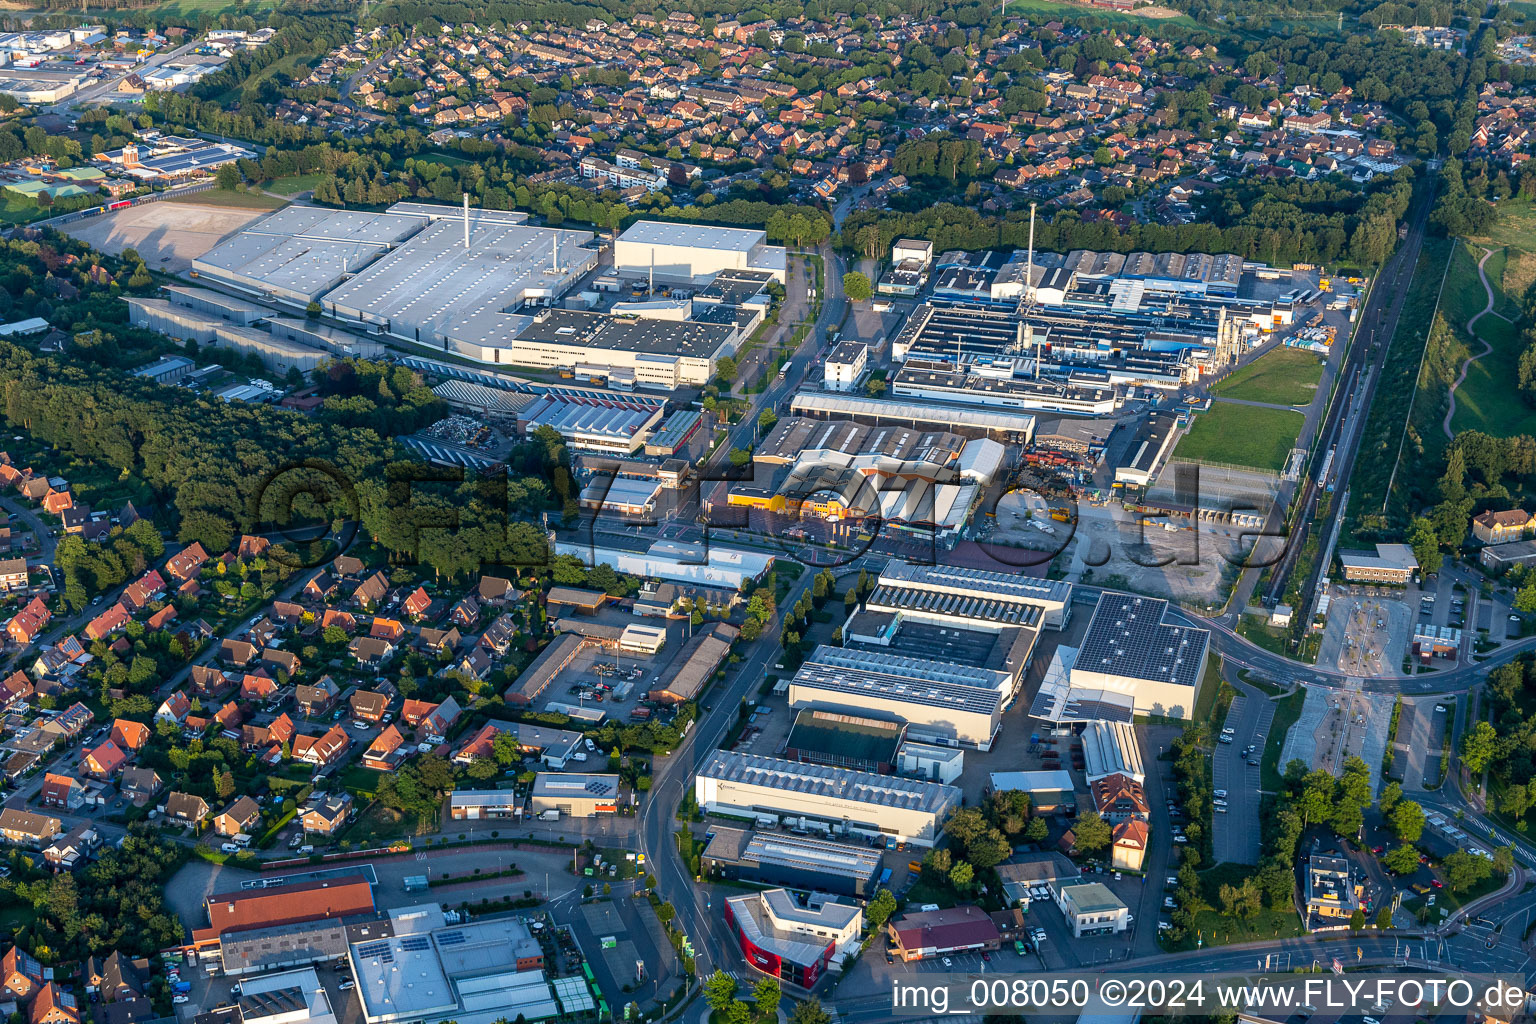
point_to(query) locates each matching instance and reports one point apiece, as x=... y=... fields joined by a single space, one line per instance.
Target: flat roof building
x=330 y=898
x=844 y=741
x=609 y=425
x=794 y=940
x=1050 y=792
x=414 y=966
x=578 y=796
x=290 y=945
x=795 y=861
x=1091 y=909
x=929 y=697
x=975 y=598
x=682 y=562
x=691 y=252
x=1130 y=651
x=857 y=803
x=1392 y=563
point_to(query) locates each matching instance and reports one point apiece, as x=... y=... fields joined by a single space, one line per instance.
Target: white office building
x=694 y=252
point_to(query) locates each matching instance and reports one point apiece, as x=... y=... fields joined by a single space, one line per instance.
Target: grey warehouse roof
x=697 y=236
x=973 y=699
x=832 y=783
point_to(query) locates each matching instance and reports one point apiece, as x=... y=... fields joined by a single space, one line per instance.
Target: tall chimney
x=1029 y=270
x=466 y=220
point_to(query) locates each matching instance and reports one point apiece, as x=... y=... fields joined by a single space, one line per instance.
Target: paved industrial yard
x=168 y=235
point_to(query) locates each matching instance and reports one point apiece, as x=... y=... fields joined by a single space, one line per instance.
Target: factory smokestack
x=466 y=220
x=1029 y=269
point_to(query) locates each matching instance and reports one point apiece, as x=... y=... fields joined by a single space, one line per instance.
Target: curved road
x=1482 y=274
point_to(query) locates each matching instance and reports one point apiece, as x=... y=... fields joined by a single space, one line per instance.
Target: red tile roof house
x=386 y=629
x=386 y=751
x=22 y=974
x=162 y=618
x=174 y=709
x=29 y=622
x=149 y=587
x=337 y=617
x=14 y=689
x=129 y=735
x=412 y=712
x=53 y=1005
x=434 y=728
x=328 y=817
x=61 y=791
x=55 y=502
x=256 y=687
x=187 y=562
x=104 y=761
x=322 y=751
x=241 y=816
x=417 y=604
x=108 y=622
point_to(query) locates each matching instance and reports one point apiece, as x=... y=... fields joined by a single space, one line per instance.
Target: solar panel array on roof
x=984 y=609
x=450 y=938
x=416 y=944
x=1127 y=638
x=273 y=1002
x=971 y=699
x=833 y=783
x=376 y=949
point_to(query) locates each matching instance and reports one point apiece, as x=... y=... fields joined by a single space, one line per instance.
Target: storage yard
x=169 y=236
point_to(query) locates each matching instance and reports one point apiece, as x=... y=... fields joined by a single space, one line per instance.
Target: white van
x=230 y=848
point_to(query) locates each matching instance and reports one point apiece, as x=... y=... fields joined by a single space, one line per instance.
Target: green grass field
x=1241 y=435
x=1516 y=225
x=1286 y=376
x=1052 y=8
x=19 y=209
x=292 y=186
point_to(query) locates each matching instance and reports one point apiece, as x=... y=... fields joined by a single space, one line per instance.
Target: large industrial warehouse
x=856 y=803
x=301 y=252
x=452 y=288
x=690 y=252
x=939 y=702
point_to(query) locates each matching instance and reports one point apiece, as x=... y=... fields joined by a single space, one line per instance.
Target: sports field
x=1285 y=376
x=1241 y=435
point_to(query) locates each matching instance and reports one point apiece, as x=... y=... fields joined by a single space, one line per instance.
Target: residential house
x=288 y=613
x=438 y=641
x=386 y=751
x=23 y=828
x=186 y=808
x=1119 y=797
x=413 y=711
x=149 y=587
x=320 y=587
x=53 y=1005
x=371 y=591
x=251 y=547
x=348 y=567
x=29 y=622
x=370 y=650
x=416 y=605
x=328 y=816
x=129 y=735
x=336 y=617
x=188 y=562
x=386 y=629
x=162 y=619
x=315 y=700
x=281 y=660
x=237 y=652
x=115 y=977
x=256 y=687
x=241 y=816
x=104 y=761
x=369 y=705
x=434 y=727
x=14 y=689
x=1502 y=527
x=73 y=848
x=108 y=622
x=23 y=975
x=61 y=791
x=13 y=574
x=1130 y=841
x=322 y=751
x=466 y=613
x=208 y=681
x=140 y=785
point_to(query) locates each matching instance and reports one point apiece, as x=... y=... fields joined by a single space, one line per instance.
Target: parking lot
x=1236 y=772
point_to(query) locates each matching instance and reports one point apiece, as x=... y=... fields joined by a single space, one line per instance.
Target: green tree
x=765 y=997
x=1478 y=747
x=1384 y=918
x=1390 y=795
x=1408 y=821
x=856 y=286
x=1357 y=920
x=961 y=876
x=227 y=178
x=809 y=1012
x=719 y=991
x=1091 y=832
x=1401 y=860
x=1463 y=870
x=1426 y=545
x=879 y=910
x=1037 y=830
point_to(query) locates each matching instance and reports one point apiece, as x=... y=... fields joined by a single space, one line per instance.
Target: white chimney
x=466 y=220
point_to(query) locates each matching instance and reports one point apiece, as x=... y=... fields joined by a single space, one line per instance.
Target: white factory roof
x=1059 y=701
x=558 y=785
x=998 y=585
x=797 y=946
x=695 y=236
x=830 y=783
x=577 y=417
x=1057 y=781
x=929 y=413
x=1110 y=748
